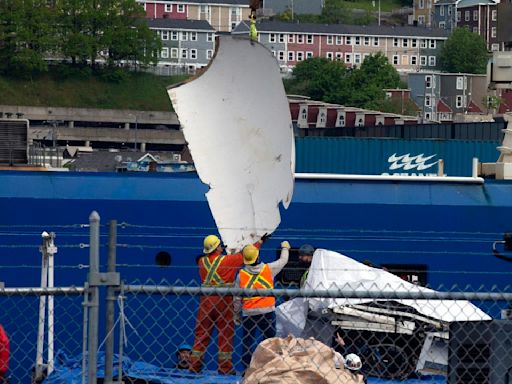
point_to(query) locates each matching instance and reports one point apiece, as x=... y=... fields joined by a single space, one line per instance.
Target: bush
x=113 y=75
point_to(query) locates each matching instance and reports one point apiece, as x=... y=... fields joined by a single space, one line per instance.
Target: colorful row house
x=443 y=97
x=222 y=15
x=185 y=43
x=408 y=48
x=479 y=16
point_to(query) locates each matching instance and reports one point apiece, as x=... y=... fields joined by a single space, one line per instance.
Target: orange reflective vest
x=263 y=280
x=212 y=278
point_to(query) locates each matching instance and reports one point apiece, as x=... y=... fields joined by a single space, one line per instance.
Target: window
x=475 y=30
x=174 y=53
x=423 y=43
x=300 y=56
x=209 y=36
x=428 y=81
x=396 y=42
x=339 y=56
x=282 y=37
x=357 y=58
x=428 y=101
x=432 y=44
x=421 y=20
x=330 y=39
x=209 y=54
x=375 y=41
x=421 y=4
x=291 y=56
x=145 y=6
x=395 y=59
x=414 y=60
x=458 y=101
x=405 y=43
x=423 y=61
x=193 y=36
x=449 y=9
x=272 y=38
x=432 y=61
x=300 y=39
x=414 y=43
x=348 y=58
x=475 y=15
x=467 y=15
x=495 y=47
x=280 y=55
x=164 y=53
x=174 y=35
x=184 y=36
x=442 y=25
x=204 y=12
x=181 y=8
x=309 y=39
x=357 y=40
x=193 y=53
x=441 y=10
x=348 y=40
x=458 y=15
x=168 y=7
x=304 y=114
x=165 y=35
x=460 y=82
x=367 y=40
x=274 y=53
x=291 y=38
x=494 y=14
x=184 y=53
x=329 y=55
x=236 y=16
x=427 y=116
x=309 y=55
x=493 y=32
x=339 y=40
x=340 y=121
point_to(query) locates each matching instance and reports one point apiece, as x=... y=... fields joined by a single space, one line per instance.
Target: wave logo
x=408 y=162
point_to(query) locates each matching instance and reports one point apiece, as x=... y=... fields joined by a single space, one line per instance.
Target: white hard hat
x=353 y=362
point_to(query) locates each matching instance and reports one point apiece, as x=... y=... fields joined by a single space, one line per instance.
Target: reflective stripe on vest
x=262 y=280
x=212 y=277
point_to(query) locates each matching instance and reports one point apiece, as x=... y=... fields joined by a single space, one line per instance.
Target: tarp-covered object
x=332 y=270
x=295 y=360
x=235 y=117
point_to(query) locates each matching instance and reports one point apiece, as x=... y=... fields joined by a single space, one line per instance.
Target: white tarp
x=333 y=270
x=236 y=120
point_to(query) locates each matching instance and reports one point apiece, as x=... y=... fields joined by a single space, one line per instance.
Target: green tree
x=27 y=34
x=320 y=79
x=335 y=12
x=464 y=51
x=367 y=82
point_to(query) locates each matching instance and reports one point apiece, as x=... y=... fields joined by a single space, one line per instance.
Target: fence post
x=94 y=264
x=111 y=298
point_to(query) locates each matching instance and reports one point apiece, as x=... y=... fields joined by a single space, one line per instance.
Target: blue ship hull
x=446 y=227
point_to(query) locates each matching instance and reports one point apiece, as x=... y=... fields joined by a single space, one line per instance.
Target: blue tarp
x=68 y=370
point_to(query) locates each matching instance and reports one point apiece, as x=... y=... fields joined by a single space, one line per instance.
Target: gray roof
x=472 y=3
x=443 y=2
x=343 y=29
x=196 y=25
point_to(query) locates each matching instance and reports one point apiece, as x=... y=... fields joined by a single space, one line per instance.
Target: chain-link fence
x=347 y=322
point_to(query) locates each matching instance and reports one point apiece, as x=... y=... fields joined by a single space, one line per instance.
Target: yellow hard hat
x=250 y=253
x=210 y=243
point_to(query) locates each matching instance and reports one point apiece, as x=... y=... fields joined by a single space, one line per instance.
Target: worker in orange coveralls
x=216 y=270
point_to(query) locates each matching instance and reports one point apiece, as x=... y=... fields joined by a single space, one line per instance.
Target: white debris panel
x=236 y=120
x=332 y=269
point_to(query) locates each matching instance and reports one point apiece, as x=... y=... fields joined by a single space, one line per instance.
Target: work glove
x=285 y=244
x=236 y=319
x=265 y=237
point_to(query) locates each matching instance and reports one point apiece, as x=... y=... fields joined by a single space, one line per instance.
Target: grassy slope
x=139 y=91
x=385 y=5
